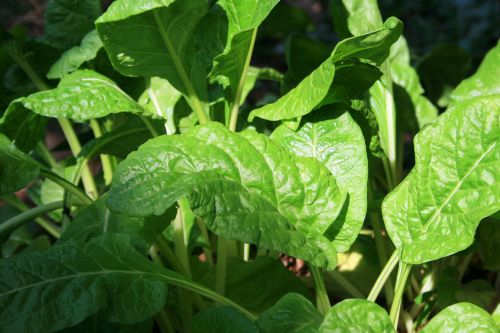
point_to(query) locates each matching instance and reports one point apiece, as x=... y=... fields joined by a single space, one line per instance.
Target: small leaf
x=339 y=145
x=235 y=182
x=222 y=319
x=72 y=59
x=357 y=315
x=293 y=313
x=16 y=168
x=435 y=211
x=461 y=318
x=80 y=96
x=311 y=91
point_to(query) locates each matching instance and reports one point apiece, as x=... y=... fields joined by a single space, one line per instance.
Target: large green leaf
x=72 y=59
x=16 y=168
x=67 y=21
x=461 y=318
x=293 y=313
x=167 y=44
x=37 y=290
x=357 y=315
x=484 y=82
x=339 y=145
x=355 y=17
x=222 y=319
x=244 y=185
x=311 y=91
x=243 y=19
x=80 y=96
x=434 y=212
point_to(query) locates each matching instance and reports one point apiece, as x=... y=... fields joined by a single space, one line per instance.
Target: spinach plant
x=184 y=193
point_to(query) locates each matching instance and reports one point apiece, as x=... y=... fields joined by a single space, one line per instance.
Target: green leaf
x=96 y=324
x=16 y=168
x=355 y=17
x=339 y=145
x=23 y=127
x=259 y=283
x=235 y=182
x=67 y=21
x=243 y=19
x=222 y=319
x=254 y=74
x=107 y=275
x=168 y=44
x=461 y=318
x=80 y=96
x=311 y=91
x=95 y=220
x=434 y=212
x=72 y=59
x=293 y=313
x=357 y=315
x=484 y=82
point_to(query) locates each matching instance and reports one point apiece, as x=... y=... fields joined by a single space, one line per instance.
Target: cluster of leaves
x=199 y=189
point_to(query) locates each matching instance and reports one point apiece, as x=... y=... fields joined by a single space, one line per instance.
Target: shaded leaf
x=222 y=319
x=293 y=313
x=16 y=168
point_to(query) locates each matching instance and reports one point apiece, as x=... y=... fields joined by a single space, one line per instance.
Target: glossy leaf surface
x=244 y=185
x=73 y=58
x=80 y=96
x=461 y=318
x=357 y=315
x=435 y=211
x=339 y=145
x=310 y=92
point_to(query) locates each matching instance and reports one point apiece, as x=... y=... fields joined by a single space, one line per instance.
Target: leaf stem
x=220 y=266
x=403 y=272
x=383 y=276
x=15 y=222
x=346 y=284
x=233 y=119
x=322 y=300
x=44 y=152
x=150 y=127
x=71 y=188
x=192 y=96
x=107 y=167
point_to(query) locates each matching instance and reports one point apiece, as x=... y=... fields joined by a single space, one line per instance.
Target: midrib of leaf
x=170 y=279
x=202 y=117
x=236 y=103
x=434 y=216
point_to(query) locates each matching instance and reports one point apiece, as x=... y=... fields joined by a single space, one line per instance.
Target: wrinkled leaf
x=236 y=183
x=434 y=212
x=16 y=168
x=357 y=315
x=72 y=59
x=311 y=91
x=293 y=313
x=80 y=96
x=339 y=145
x=461 y=318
